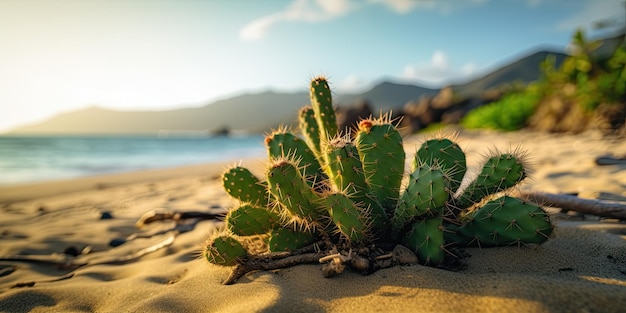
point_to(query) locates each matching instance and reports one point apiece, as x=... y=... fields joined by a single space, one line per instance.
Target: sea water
x=28 y=159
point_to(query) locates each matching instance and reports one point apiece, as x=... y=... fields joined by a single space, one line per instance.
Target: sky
x=66 y=55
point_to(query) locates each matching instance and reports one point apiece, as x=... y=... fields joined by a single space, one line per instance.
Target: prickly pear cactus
x=242 y=185
x=250 y=220
x=351 y=200
x=380 y=149
x=224 y=250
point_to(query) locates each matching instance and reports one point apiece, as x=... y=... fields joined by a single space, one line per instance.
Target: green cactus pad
x=499 y=173
x=507 y=220
x=447 y=154
x=224 y=250
x=322 y=103
x=352 y=221
x=382 y=155
x=309 y=128
x=287 y=239
x=426 y=238
x=249 y=220
x=425 y=195
x=242 y=185
x=284 y=144
x=291 y=190
x=345 y=172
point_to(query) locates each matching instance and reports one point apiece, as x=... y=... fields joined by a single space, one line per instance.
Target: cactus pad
x=351 y=220
x=426 y=238
x=287 y=239
x=292 y=192
x=249 y=220
x=322 y=103
x=284 y=144
x=447 y=154
x=507 y=220
x=224 y=250
x=382 y=155
x=242 y=185
x=499 y=173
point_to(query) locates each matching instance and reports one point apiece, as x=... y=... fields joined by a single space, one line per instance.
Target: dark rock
x=347 y=118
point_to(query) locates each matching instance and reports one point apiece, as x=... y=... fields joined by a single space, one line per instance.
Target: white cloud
x=314 y=11
x=299 y=10
x=438 y=70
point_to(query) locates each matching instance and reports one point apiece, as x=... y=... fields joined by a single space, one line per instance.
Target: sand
x=581 y=269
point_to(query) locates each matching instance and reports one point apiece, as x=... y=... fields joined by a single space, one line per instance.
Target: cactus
x=249 y=220
x=224 y=249
x=379 y=146
x=445 y=153
x=345 y=172
x=507 y=220
x=426 y=238
x=287 y=239
x=290 y=189
x=322 y=103
x=426 y=194
x=242 y=185
x=284 y=144
x=309 y=128
x=351 y=220
x=347 y=197
x=499 y=173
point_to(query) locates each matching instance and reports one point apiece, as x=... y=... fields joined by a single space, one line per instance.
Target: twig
x=269 y=262
x=610 y=209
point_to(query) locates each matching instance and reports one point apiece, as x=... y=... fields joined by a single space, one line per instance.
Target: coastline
x=34 y=190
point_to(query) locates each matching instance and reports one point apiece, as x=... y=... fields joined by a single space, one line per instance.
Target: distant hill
x=249 y=112
x=260 y=112
x=525 y=70
x=388 y=96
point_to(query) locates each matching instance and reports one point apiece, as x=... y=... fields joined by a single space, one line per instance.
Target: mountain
x=260 y=112
x=388 y=96
x=267 y=109
x=524 y=70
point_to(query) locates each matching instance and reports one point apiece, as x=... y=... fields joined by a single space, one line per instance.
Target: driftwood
x=602 y=208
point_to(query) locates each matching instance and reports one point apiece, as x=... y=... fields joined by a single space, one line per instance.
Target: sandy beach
x=80 y=224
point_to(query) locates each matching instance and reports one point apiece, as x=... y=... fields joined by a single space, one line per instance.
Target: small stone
x=117 y=242
x=403 y=255
x=106 y=215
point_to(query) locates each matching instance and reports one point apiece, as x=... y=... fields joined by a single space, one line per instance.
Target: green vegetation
x=587 y=88
x=347 y=196
x=509 y=113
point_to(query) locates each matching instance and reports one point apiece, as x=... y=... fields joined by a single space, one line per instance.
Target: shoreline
x=36 y=190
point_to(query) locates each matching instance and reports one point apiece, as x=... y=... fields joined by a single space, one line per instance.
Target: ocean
x=28 y=159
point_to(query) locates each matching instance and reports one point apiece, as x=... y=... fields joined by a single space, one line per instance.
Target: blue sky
x=63 y=55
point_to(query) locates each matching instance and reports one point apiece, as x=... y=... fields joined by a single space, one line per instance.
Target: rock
x=403 y=255
x=347 y=118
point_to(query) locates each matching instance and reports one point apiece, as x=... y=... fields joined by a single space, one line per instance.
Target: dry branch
x=610 y=209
